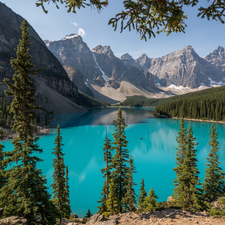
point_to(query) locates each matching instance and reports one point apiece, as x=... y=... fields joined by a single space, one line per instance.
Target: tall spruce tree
x=214 y=182
x=189 y=196
x=120 y=159
x=26 y=193
x=180 y=155
x=59 y=186
x=142 y=196
x=129 y=200
x=106 y=174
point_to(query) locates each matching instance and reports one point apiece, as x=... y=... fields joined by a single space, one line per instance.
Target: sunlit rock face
x=183 y=68
x=99 y=66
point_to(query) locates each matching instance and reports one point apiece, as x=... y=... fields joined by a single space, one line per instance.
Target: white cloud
x=81 y=32
x=74 y=23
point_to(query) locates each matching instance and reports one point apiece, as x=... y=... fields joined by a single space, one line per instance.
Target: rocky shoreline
x=168 y=216
x=199 y=120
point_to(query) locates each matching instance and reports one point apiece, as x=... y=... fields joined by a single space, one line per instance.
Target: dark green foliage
x=180 y=154
x=60 y=182
x=25 y=193
x=3 y=178
x=88 y=214
x=120 y=159
x=106 y=174
x=187 y=179
x=129 y=199
x=214 y=182
x=67 y=205
x=141 y=196
x=150 y=203
x=206 y=104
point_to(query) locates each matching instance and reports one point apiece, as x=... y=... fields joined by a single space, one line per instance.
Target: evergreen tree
x=112 y=200
x=180 y=154
x=59 y=189
x=189 y=197
x=106 y=174
x=3 y=179
x=26 y=193
x=120 y=159
x=88 y=214
x=141 y=196
x=103 y=207
x=214 y=182
x=67 y=206
x=129 y=200
x=150 y=203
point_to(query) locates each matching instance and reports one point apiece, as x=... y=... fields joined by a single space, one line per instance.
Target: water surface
x=154 y=155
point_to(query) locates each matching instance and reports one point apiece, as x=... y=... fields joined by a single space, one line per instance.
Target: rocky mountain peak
x=127 y=59
x=217 y=57
x=106 y=50
x=126 y=56
x=71 y=36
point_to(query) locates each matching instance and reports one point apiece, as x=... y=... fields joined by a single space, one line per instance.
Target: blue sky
x=203 y=35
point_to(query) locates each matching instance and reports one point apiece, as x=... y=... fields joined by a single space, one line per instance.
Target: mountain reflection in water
x=102 y=116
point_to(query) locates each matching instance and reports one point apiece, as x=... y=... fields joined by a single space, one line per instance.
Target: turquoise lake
x=154 y=155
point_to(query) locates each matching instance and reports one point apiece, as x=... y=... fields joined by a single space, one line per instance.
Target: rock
x=170 y=199
x=95 y=218
x=113 y=221
x=14 y=220
x=65 y=221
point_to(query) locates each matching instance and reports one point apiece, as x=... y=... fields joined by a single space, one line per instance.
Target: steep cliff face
x=183 y=68
x=100 y=66
x=72 y=51
x=217 y=58
x=52 y=73
x=78 y=78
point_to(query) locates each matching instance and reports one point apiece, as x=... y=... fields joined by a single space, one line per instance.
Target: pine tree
x=189 y=197
x=111 y=202
x=67 y=205
x=106 y=174
x=150 y=203
x=26 y=193
x=120 y=159
x=141 y=196
x=214 y=182
x=182 y=142
x=3 y=178
x=129 y=201
x=59 y=189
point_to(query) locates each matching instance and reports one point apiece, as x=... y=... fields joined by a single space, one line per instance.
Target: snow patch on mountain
x=212 y=82
x=103 y=73
x=172 y=86
x=70 y=36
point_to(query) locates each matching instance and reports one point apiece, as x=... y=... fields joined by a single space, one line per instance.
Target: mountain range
x=69 y=64
x=115 y=78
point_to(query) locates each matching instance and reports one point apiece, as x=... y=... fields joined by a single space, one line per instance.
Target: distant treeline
x=207 y=104
x=139 y=100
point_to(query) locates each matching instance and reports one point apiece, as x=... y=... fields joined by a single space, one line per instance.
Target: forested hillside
x=208 y=104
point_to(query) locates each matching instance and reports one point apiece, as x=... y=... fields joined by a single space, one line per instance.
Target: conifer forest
x=23 y=186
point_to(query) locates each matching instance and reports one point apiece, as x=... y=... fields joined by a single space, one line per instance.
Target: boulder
x=170 y=199
x=96 y=218
x=14 y=220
